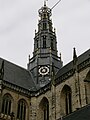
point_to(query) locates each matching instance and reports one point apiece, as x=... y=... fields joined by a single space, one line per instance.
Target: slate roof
x=17 y=75
x=23 y=78
x=81 y=114
x=69 y=66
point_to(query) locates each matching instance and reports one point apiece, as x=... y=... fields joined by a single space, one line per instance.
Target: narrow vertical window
x=44 y=26
x=44 y=41
x=44 y=108
x=9 y=107
x=46 y=111
x=21 y=112
x=66 y=103
x=66 y=100
x=6 y=105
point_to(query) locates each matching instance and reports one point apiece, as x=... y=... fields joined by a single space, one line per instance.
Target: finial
x=29 y=58
x=35 y=31
x=60 y=55
x=74 y=56
x=54 y=30
x=45 y=2
x=74 y=53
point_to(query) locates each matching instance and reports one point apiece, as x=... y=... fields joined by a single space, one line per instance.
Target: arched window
x=87 y=87
x=66 y=100
x=44 y=109
x=44 y=26
x=44 y=41
x=21 y=111
x=6 y=104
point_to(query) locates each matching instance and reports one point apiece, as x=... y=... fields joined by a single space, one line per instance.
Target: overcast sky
x=18 y=21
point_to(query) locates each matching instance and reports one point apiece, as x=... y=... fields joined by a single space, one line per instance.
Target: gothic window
x=87 y=87
x=6 y=104
x=21 y=111
x=44 y=26
x=44 y=41
x=46 y=112
x=44 y=109
x=66 y=100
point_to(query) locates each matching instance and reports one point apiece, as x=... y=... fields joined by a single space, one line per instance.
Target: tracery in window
x=6 y=104
x=44 y=109
x=66 y=100
x=21 y=111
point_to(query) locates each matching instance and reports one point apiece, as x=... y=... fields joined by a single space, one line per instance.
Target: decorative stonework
x=68 y=74
x=84 y=64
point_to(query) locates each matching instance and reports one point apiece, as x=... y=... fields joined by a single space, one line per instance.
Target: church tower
x=45 y=60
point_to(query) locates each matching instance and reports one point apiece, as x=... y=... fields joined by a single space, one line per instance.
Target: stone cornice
x=25 y=91
x=15 y=88
x=69 y=73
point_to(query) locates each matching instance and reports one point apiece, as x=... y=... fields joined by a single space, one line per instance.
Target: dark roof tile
x=17 y=75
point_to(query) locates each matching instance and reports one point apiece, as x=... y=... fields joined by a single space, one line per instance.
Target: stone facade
x=55 y=97
x=60 y=94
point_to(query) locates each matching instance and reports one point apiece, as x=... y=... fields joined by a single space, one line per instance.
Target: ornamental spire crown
x=44 y=12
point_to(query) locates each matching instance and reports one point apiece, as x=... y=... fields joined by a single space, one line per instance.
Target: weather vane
x=45 y=2
x=55 y=4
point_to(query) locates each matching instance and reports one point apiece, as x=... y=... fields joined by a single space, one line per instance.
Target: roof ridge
x=13 y=64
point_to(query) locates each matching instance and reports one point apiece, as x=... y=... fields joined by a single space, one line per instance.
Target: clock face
x=44 y=70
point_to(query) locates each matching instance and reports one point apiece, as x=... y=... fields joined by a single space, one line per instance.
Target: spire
x=74 y=53
x=45 y=60
x=74 y=56
x=29 y=58
x=60 y=56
